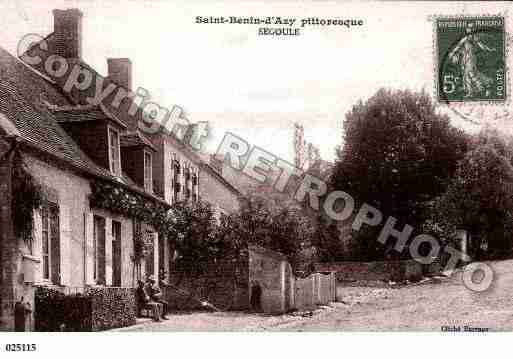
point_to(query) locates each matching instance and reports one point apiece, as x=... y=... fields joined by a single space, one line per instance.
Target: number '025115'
x=20 y=347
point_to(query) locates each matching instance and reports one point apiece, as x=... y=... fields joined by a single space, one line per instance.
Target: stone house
x=74 y=243
x=91 y=162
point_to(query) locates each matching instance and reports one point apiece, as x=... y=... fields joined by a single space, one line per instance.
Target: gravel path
x=421 y=307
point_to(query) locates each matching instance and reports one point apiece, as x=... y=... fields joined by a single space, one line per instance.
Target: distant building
x=306 y=157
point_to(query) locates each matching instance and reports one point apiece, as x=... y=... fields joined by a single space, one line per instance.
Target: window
x=99 y=250
x=176 y=167
x=177 y=191
x=150 y=257
x=46 y=244
x=176 y=179
x=195 y=183
x=51 y=243
x=148 y=185
x=114 y=156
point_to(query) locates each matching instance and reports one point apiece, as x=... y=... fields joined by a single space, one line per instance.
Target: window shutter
x=55 y=245
x=89 y=248
x=37 y=244
x=100 y=246
x=156 y=253
x=149 y=260
x=108 y=252
x=198 y=183
x=65 y=250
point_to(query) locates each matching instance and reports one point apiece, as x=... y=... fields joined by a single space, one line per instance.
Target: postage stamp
x=471 y=59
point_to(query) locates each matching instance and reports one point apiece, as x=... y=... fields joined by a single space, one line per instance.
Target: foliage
x=112 y=307
x=130 y=204
x=328 y=241
x=285 y=229
x=96 y=309
x=479 y=199
x=26 y=197
x=55 y=310
x=195 y=227
x=398 y=153
x=142 y=244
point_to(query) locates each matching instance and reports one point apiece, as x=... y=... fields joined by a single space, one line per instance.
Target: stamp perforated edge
x=508 y=39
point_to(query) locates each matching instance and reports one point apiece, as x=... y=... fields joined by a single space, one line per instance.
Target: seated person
x=155 y=294
x=144 y=301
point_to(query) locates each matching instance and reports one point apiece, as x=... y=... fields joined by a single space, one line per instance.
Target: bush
x=95 y=309
x=55 y=311
x=112 y=307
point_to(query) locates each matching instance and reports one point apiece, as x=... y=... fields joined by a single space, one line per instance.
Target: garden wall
x=373 y=271
x=223 y=284
x=227 y=285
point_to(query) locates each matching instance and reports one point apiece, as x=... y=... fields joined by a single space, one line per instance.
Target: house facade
x=103 y=186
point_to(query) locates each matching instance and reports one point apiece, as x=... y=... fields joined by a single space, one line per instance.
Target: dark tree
x=479 y=199
x=398 y=153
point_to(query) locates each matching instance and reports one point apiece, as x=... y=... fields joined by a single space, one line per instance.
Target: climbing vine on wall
x=136 y=206
x=26 y=197
x=142 y=244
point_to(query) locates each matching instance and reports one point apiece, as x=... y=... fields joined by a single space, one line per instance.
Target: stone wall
x=8 y=245
x=373 y=271
x=228 y=284
x=223 y=284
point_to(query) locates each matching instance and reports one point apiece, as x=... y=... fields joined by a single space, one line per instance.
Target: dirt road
x=424 y=307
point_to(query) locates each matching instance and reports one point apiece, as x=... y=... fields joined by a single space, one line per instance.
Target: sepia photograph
x=266 y=166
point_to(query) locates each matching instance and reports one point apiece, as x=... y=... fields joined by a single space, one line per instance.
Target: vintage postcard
x=255 y=166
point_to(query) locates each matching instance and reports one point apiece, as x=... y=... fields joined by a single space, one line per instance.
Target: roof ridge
x=57 y=108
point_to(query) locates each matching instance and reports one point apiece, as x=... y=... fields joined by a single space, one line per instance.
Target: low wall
x=373 y=271
x=223 y=284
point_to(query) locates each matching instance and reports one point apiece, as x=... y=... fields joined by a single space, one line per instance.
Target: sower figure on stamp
x=464 y=54
x=155 y=294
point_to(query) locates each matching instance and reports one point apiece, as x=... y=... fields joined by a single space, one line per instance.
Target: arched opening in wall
x=256 y=297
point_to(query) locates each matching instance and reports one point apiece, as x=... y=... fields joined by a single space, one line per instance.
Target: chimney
x=120 y=71
x=67 y=29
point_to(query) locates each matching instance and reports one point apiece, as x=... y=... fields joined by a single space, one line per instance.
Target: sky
x=258 y=86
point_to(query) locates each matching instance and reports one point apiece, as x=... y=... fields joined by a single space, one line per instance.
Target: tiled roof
x=83 y=113
x=38 y=129
x=24 y=95
x=79 y=115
